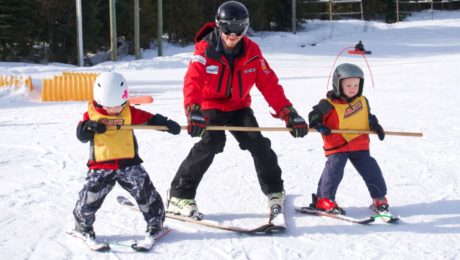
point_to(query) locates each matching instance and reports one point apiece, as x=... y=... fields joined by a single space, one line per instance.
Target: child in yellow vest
x=346 y=108
x=114 y=157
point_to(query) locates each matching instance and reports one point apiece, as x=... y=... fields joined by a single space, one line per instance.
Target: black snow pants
x=192 y=169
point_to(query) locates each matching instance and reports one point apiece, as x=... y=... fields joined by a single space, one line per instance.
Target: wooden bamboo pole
x=268 y=129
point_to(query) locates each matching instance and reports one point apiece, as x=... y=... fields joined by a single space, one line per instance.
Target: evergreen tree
x=17 y=29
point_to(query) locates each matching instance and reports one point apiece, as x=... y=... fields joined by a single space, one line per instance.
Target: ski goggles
x=229 y=28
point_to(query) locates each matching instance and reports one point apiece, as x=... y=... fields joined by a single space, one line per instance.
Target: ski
x=147 y=243
x=315 y=212
x=90 y=243
x=264 y=229
x=386 y=216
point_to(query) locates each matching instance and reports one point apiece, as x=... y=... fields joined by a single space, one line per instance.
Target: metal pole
x=294 y=17
x=137 y=52
x=362 y=14
x=80 y=34
x=160 y=28
x=397 y=11
x=330 y=10
x=113 y=30
x=432 y=15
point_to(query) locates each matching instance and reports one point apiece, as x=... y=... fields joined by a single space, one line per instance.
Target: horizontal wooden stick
x=258 y=129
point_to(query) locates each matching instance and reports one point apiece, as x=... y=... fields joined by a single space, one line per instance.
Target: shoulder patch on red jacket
x=198 y=58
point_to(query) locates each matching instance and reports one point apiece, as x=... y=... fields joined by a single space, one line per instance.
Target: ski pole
x=259 y=129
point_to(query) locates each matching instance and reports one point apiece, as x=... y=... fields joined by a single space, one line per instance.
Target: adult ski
x=264 y=229
x=89 y=242
x=315 y=212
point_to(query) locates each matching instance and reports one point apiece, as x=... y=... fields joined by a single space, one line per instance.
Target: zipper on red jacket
x=221 y=77
x=250 y=60
x=240 y=78
x=240 y=83
x=228 y=91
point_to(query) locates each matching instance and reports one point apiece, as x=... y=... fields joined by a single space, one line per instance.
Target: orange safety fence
x=16 y=81
x=70 y=86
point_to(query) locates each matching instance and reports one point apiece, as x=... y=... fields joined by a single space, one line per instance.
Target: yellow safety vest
x=352 y=116
x=113 y=144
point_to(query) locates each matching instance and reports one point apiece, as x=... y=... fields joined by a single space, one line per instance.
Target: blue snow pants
x=366 y=166
x=133 y=179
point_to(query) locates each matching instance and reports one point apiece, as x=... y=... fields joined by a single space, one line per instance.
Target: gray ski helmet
x=347 y=70
x=232 y=17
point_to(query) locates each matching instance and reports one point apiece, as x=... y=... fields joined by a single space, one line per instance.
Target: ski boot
x=184 y=207
x=85 y=232
x=326 y=205
x=275 y=204
x=380 y=205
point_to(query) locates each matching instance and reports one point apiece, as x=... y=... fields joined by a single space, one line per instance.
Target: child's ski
x=147 y=243
x=315 y=212
x=90 y=243
x=264 y=229
x=386 y=216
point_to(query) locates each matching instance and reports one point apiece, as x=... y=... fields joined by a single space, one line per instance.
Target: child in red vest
x=346 y=108
x=114 y=155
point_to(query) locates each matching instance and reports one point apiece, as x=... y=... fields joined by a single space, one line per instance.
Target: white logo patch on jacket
x=213 y=69
x=199 y=59
x=249 y=70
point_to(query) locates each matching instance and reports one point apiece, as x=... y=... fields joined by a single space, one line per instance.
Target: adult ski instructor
x=225 y=66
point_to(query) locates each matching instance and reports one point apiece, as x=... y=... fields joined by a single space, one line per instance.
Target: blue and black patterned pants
x=133 y=179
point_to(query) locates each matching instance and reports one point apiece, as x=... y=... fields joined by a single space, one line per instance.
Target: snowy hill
x=414 y=66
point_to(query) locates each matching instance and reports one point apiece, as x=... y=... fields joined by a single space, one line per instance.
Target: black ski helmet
x=232 y=17
x=343 y=71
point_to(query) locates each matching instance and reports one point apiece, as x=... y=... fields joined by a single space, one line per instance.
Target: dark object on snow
x=359 y=49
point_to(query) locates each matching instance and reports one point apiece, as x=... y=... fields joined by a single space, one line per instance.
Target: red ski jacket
x=211 y=83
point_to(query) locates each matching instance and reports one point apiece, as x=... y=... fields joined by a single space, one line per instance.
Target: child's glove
x=95 y=127
x=197 y=123
x=320 y=127
x=374 y=125
x=295 y=121
x=173 y=126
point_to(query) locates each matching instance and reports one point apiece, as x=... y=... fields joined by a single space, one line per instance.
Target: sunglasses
x=229 y=28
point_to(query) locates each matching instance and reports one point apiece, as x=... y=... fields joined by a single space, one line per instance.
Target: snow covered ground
x=416 y=88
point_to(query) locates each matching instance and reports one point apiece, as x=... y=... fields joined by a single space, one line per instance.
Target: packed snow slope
x=414 y=87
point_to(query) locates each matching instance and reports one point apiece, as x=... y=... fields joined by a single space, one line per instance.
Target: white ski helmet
x=110 y=89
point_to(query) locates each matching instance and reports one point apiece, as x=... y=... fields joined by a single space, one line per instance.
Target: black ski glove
x=197 y=123
x=173 y=126
x=95 y=127
x=375 y=126
x=316 y=121
x=294 y=121
x=320 y=127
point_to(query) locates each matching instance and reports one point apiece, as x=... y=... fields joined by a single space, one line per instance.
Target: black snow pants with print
x=133 y=179
x=192 y=169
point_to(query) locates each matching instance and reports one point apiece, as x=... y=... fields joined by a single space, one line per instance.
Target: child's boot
x=327 y=205
x=380 y=204
x=86 y=231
